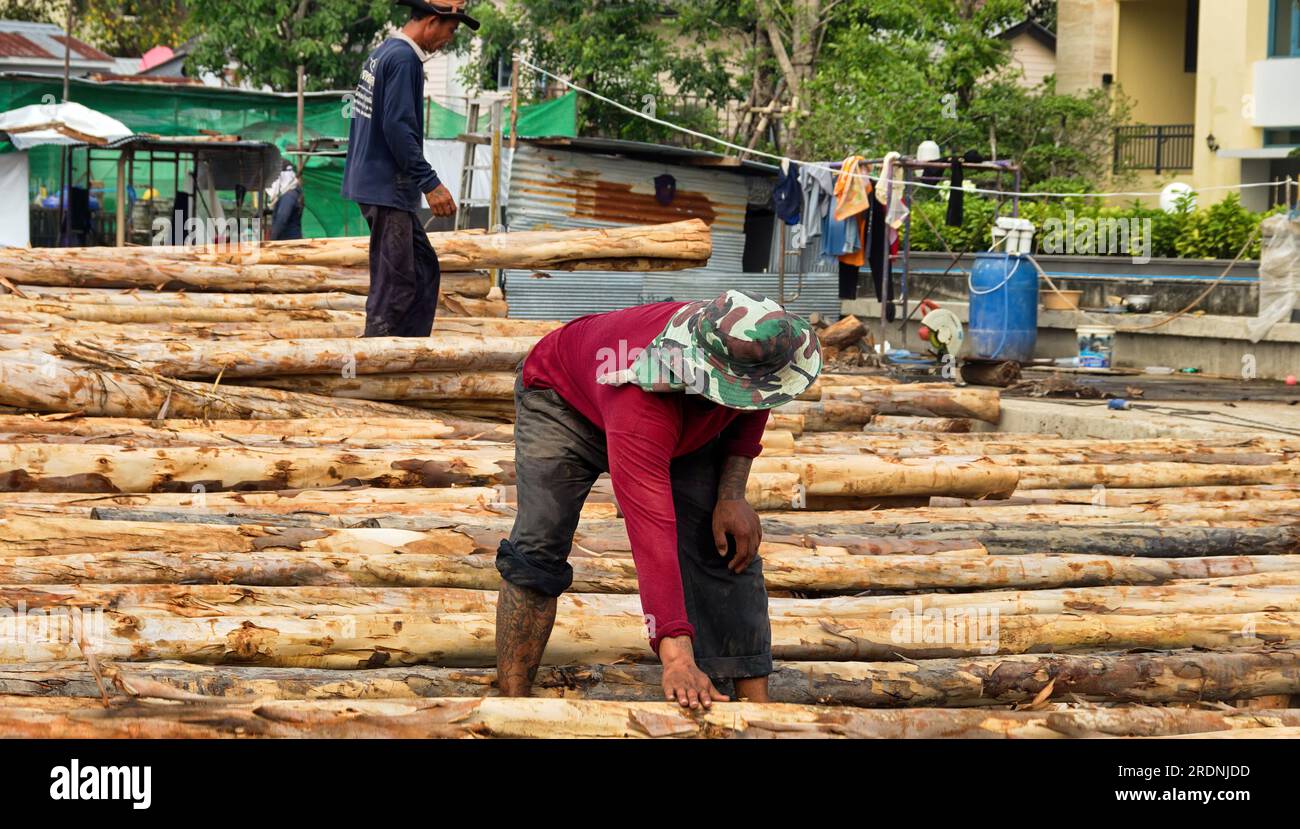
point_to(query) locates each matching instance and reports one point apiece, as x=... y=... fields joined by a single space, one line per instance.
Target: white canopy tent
x=65 y=123
x=32 y=126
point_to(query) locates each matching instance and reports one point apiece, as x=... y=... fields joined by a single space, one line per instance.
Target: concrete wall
x=1084 y=34
x=1234 y=34
x=1149 y=61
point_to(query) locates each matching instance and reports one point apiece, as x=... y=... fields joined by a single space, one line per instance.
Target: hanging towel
x=852 y=188
x=890 y=191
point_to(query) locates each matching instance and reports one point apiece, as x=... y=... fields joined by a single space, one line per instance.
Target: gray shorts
x=558 y=456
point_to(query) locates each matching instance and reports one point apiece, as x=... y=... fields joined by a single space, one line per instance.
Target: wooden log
x=70 y=468
x=616 y=574
x=466 y=639
x=36 y=718
x=905 y=423
x=152 y=273
x=1136 y=475
x=43 y=382
x=829 y=416
x=474 y=285
x=340 y=358
x=926 y=399
x=1153 y=677
x=848 y=330
x=129 y=314
x=1119 y=497
x=668 y=246
x=1277 y=591
x=456 y=386
x=1026 y=451
x=862 y=475
x=222 y=432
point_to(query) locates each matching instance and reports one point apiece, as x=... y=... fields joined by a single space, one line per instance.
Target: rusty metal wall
x=552 y=188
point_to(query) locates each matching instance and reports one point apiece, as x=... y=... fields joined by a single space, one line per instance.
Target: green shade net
x=549 y=118
x=187 y=110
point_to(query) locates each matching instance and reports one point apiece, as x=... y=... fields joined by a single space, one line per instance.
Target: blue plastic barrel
x=1003 y=308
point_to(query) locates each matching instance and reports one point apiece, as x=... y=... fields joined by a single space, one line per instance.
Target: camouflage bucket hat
x=740 y=350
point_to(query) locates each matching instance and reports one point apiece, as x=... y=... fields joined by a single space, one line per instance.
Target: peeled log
x=72 y=468
x=456 y=639
x=932 y=399
x=458 y=386
x=1117 y=497
x=829 y=416
x=863 y=475
x=33 y=380
x=1155 y=474
x=1278 y=591
x=1159 y=677
x=671 y=246
x=216 y=431
x=617 y=574
x=336 y=357
x=908 y=423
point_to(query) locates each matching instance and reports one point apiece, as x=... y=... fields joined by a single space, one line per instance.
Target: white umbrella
x=66 y=123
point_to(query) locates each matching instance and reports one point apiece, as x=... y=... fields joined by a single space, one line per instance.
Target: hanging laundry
x=890 y=192
x=849 y=276
x=786 y=197
x=816 y=184
x=838 y=237
x=665 y=189
x=852 y=188
x=858 y=257
x=957 y=192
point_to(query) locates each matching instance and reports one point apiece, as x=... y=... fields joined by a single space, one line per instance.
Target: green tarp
x=188 y=110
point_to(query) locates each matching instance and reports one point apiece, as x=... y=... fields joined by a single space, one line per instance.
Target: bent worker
x=671 y=399
x=386 y=172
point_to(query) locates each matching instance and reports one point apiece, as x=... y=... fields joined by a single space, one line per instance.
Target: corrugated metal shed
x=554 y=187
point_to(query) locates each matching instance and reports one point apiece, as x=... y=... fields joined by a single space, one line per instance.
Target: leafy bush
x=1214 y=232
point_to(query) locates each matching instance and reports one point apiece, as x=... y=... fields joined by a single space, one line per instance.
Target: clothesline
x=834 y=169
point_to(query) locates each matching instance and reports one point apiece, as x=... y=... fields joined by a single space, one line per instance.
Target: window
x=1282 y=138
x=1284 y=29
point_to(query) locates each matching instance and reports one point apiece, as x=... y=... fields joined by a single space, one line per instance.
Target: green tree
x=627 y=50
x=269 y=38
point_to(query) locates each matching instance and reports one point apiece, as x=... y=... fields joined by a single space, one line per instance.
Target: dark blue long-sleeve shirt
x=385 y=163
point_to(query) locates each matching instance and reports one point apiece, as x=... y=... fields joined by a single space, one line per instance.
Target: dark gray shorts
x=558 y=456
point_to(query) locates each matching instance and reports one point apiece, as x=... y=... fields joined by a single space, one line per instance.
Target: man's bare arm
x=524 y=621
x=733 y=515
x=735 y=475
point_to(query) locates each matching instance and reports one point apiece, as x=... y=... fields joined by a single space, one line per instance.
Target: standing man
x=386 y=173
x=671 y=400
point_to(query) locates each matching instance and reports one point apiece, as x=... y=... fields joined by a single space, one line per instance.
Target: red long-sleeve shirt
x=644 y=431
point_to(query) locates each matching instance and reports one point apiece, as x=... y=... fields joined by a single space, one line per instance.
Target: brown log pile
x=244 y=519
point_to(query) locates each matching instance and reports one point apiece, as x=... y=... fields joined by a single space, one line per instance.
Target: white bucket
x=1096 y=346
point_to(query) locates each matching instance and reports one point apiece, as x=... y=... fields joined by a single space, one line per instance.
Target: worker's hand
x=683 y=681
x=737 y=517
x=440 y=201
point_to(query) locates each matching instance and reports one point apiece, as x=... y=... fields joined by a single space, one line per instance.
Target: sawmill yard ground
x=208 y=530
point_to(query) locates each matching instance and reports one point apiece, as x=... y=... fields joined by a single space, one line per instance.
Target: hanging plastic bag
x=1279 y=274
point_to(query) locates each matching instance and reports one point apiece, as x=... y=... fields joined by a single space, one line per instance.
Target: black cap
x=441 y=11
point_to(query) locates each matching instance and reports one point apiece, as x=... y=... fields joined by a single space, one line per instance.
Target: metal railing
x=1157 y=147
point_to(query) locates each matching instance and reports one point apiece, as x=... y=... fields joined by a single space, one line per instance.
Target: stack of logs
x=231 y=526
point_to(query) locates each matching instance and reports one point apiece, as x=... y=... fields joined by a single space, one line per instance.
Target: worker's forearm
x=735 y=475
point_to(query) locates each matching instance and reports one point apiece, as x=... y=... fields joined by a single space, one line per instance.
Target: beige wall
x=1149 y=60
x=1032 y=58
x=1084 y=33
x=1234 y=34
